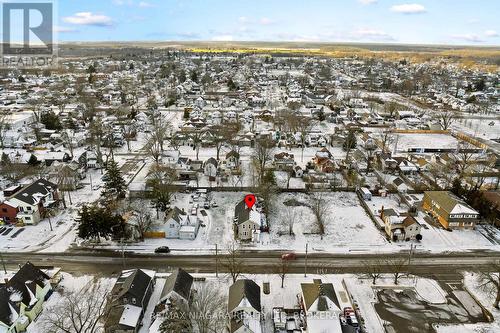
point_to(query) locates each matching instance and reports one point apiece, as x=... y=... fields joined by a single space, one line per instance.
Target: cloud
x=468 y=38
x=89 y=18
x=144 y=4
x=409 y=8
x=64 y=29
x=491 y=33
x=367 y=2
x=222 y=38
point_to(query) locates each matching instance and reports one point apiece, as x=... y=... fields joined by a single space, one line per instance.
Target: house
x=246 y=221
x=451 y=211
x=321 y=306
x=244 y=307
x=284 y=161
x=180 y=225
x=33 y=200
x=129 y=299
x=233 y=160
x=177 y=287
x=210 y=167
x=22 y=298
x=400 y=227
x=8 y=212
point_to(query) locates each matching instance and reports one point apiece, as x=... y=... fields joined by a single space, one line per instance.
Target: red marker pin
x=250 y=200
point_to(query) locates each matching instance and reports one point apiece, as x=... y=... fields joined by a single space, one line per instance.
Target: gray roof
x=244 y=289
x=179 y=281
x=136 y=284
x=241 y=213
x=40 y=186
x=318 y=291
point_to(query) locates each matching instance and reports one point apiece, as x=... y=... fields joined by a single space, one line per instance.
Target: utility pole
x=216 y=261
x=305 y=264
x=123 y=253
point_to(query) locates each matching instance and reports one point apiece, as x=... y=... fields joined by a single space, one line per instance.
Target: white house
x=246 y=222
x=321 y=306
x=180 y=225
x=244 y=307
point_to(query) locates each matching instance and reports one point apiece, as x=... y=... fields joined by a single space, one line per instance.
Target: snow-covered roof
x=462 y=209
x=130 y=316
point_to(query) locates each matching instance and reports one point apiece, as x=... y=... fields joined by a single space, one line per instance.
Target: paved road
x=108 y=263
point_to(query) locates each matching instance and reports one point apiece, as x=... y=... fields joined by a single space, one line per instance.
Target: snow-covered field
x=482 y=128
x=403 y=142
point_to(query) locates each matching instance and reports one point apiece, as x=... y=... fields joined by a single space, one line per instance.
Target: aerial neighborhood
x=225 y=191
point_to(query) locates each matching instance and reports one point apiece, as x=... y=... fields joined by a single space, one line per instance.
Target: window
x=27 y=218
x=4 y=210
x=133 y=300
x=28 y=208
x=172 y=225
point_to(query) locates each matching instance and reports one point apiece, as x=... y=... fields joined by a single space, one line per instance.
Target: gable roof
x=243 y=214
x=136 y=284
x=179 y=281
x=320 y=295
x=31 y=194
x=23 y=283
x=450 y=203
x=244 y=289
x=175 y=214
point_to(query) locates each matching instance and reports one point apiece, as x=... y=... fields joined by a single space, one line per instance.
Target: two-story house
x=244 y=307
x=128 y=301
x=451 y=211
x=321 y=306
x=178 y=224
x=247 y=222
x=33 y=200
x=22 y=298
x=400 y=227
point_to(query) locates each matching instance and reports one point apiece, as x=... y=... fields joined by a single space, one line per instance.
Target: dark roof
x=233 y=153
x=28 y=276
x=179 y=281
x=244 y=289
x=318 y=290
x=241 y=212
x=136 y=284
x=213 y=161
x=41 y=186
x=175 y=214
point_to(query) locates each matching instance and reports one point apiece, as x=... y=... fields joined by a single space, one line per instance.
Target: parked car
x=288 y=256
x=214 y=204
x=206 y=205
x=162 y=249
x=194 y=211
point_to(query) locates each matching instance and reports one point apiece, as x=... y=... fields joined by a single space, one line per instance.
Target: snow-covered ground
x=403 y=142
x=482 y=128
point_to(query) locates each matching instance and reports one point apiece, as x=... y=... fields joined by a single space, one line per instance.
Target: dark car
x=162 y=249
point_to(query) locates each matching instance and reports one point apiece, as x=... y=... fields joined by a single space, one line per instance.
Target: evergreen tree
x=33 y=161
x=5 y=160
x=51 y=121
x=96 y=222
x=350 y=141
x=113 y=180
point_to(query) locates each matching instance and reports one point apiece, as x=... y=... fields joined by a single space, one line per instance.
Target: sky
x=464 y=22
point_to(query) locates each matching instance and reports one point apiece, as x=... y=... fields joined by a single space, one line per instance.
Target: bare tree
x=262 y=155
x=446 y=119
x=373 y=270
x=489 y=281
x=385 y=138
x=232 y=262
x=320 y=209
x=304 y=127
x=78 y=312
x=143 y=219
x=282 y=269
x=129 y=132
x=290 y=218
x=208 y=309
x=464 y=158
x=153 y=147
x=398 y=267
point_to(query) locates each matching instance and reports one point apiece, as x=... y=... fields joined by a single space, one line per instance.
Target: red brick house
x=8 y=212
